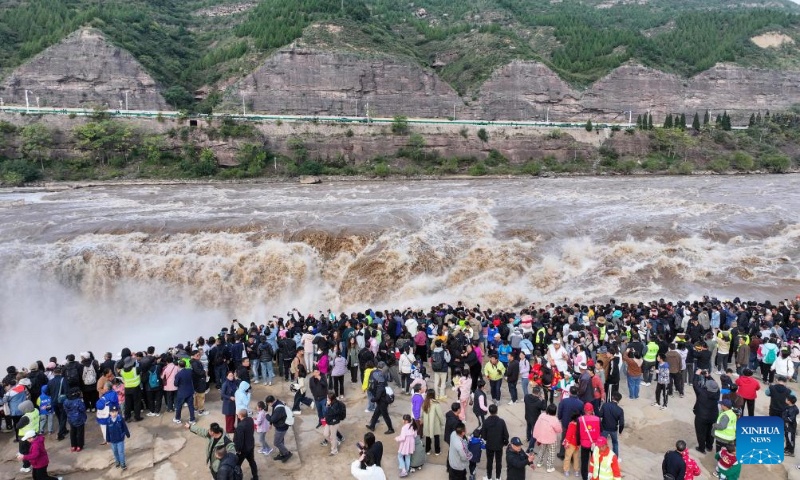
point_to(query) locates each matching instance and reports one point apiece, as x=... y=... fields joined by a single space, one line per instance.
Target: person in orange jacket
x=603 y=462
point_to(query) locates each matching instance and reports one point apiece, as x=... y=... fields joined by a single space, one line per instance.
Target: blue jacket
x=76 y=411
x=107 y=400
x=475 y=446
x=117 y=430
x=183 y=380
x=242 y=396
x=565 y=409
x=229 y=390
x=45 y=402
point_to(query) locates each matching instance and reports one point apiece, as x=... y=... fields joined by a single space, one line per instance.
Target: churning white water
x=131 y=266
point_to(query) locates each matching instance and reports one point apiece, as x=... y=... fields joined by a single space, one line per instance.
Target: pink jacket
x=262 y=424
x=38 y=454
x=406 y=440
x=465 y=385
x=169 y=377
x=547 y=429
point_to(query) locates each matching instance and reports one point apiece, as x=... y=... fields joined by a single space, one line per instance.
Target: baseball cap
x=516 y=441
x=30 y=434
x=726 y=402
x=588 y=407
x=601 y=441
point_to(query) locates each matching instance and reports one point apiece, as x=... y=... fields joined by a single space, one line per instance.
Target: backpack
x=375 y=378
x=342 y=411
x=155 y=379
x=71 y=373
x=389 y=395
x=438 y=364
x=770 y=357
x=89 y=375
x=289 y=415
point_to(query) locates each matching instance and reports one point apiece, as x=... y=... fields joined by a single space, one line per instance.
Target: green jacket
x=211 y=460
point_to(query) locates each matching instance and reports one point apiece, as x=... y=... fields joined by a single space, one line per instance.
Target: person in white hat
x=37 y=456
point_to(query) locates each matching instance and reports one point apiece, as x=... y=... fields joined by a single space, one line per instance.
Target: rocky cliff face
x=307 y=82
x=324 y=83
x=82 y=70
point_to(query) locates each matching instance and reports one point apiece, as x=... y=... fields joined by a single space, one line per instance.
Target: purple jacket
x=416 y=406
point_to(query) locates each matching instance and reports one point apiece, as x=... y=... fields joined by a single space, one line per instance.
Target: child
x=728 y=468
x=46 y=414
x=662 y=382
x=76 y=416
x=463 y=387
x=416 y=403
x=475 y=445
x=406 y=444
x=119 y=389
x=418 y=376
x=262 y=427
x=116 y=431
x=790 y=425
x=564 y=385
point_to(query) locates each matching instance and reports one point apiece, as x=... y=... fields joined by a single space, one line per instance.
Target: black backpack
x=71 y=374
x=438 y=363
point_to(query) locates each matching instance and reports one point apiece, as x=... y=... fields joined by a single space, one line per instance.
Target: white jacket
x=370 y=473
x=405 y=362
x=783 y=366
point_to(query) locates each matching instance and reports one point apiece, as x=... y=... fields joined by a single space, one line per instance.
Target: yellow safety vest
x=131 y=379
x=33 y=424
x=540 y=335
x=602 y=469
x=652 y=352
x=729 y=434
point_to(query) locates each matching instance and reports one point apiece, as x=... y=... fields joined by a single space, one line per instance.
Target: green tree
x=400 y=125
x=650 y=121
x=103 y=138
x=706 y=118
x=589 y=125
x=178 y=97
x=696 y=122
x=207 y=165
x=682 y=123
x=668 y=121
x=483 y=135
x=36 y=143
x=639 y=121
x=752 y=120
x=742 y=161
x=776 y=163
x=726 y=121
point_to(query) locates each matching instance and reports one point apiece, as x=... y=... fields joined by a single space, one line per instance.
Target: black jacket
x=227 y=468
x=534 y=406
x=512 y=372
x=199 y=377
x=612 y=418
x=318 y=387
x=243 y=437
x=278 y=416
x=335 y=413
x=494 y=432
x=705 y=404
x=517 y=463
x=674 y=465
x=777 y=399
x=451 y=421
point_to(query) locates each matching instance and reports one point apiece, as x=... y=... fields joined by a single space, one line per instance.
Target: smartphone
x=360 y=446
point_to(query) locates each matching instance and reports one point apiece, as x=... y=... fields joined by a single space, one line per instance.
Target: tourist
x=728 y=467
x=612 y=421
x=432 y=423
x=199 y=382
x=463 y=388
x=494 y=372
x=458 y=456
x=546 y=432
x=705 y=409
x=440 y=358
x=572 y=450
x=215 y=437
x=244 y=440
x=36 y=456
x=662 y=382
x=228 y=396
x=242 y=397
x=116 y=432
x=495 y=433
x=228 y=465
x=381 y=399
x=335 y=414
x=534 y=406
x=633 y=360
x=725 y=426
x=46 y=414
x=365 y=469
x=281 y=414
x=76 y=416
x=185 y=393
x=588 y=434
x=168 y=373
x=338 y=370
x=406 y=444
x=778 y=393
x=748 y=390
x=790 y=425
x=451 y=419
x=480 y=407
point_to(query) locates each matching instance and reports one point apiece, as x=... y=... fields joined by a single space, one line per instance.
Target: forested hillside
x=464 y=40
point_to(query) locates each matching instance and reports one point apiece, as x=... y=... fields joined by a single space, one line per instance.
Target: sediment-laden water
x=112 y=266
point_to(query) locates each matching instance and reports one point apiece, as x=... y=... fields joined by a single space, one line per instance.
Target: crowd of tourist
x=565 y=363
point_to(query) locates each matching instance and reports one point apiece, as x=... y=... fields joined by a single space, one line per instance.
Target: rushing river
x=112 y=266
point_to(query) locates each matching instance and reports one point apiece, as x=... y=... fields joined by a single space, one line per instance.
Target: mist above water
x=103 y=268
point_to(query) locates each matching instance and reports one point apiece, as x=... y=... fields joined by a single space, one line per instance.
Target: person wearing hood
x=103 y=407
x=76 y=416
x=705 y=409
x=38 y=379
x=132 y=378
x=36 y=457
x=13 y=398
x=242 y=397
x=45 y=405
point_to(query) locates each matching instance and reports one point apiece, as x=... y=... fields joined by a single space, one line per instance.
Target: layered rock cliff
x=84 y=69
x=325 y=83
x=308 y=82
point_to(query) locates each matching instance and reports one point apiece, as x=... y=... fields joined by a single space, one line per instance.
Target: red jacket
x=692 y=470
x=38 y=454
x=748 y=387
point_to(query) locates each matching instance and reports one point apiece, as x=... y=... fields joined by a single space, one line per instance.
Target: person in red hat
x=587 y=435
x=604 y=464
